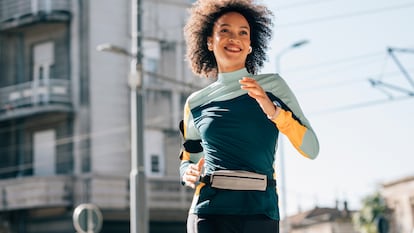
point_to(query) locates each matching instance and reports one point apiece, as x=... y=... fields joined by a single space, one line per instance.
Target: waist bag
x=238 y=180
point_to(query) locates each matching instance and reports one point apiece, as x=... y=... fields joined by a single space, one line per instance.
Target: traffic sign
x=87 y=218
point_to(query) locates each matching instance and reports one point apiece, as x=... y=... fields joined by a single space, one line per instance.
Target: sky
x=365 y=132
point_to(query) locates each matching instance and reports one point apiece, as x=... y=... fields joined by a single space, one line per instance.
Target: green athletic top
x=235 y=134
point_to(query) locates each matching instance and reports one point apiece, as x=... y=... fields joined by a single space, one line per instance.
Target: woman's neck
x=227 y=69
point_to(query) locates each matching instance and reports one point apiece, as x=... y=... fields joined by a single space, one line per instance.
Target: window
x=43 y=61
x=44 y=153
x=155 y=164
x=154 y=153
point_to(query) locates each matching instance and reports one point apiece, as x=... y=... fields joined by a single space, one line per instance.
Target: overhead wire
x=348 y=81
x=360 y=105
x=346 y=15
x=300 y=4
x=341 y=16
x=382 y=74
x=334 y=62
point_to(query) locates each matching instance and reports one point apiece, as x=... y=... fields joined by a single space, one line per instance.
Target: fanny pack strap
x=238 y=180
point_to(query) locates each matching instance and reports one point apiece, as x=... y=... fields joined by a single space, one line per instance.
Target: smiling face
x=230 y=42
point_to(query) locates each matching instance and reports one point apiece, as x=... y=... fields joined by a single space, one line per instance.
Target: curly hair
x=203 y=15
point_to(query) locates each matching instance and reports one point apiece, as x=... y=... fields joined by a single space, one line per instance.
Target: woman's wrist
x=276 y=113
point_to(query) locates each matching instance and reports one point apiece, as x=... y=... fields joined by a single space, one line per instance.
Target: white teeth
x=233 y=49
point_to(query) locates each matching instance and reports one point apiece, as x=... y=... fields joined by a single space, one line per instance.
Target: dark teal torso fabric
x=236 y=135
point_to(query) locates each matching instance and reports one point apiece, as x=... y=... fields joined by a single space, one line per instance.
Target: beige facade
x=399 y=197
x=321 y=220
x=64 y=112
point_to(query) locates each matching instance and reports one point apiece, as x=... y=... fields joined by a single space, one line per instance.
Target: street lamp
x=114 y=49
x=137 y=179
x=283 y=51
x=280 y=144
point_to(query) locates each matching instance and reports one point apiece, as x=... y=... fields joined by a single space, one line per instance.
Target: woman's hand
x=256 y=91
x=193 y=173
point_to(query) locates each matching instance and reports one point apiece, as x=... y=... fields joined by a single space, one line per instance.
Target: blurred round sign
x=87 y=218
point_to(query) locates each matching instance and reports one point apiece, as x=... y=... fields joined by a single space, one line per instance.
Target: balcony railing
x=54 y=92
x=23 y=11
x=32 y=192
x=168 y=193
x=107 y=192
x=113 y=193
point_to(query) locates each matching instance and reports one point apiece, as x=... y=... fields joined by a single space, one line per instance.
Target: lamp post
x=137 y=179
x=287 y=49
x=280 y=144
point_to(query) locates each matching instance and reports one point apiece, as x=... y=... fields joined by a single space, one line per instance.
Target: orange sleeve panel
x=292 y=129
x=185 y=155
x=186 y=116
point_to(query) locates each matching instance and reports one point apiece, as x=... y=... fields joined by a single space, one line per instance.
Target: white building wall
x=109 y=92
x=399 y=197
x=108 y=85
x=316 y=228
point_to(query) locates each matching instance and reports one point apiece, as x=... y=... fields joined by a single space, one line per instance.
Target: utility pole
x=138 y=208
x=137 y=178
x=281 y=148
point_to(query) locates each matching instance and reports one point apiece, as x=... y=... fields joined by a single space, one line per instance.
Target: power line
x=348 y=81
x=172 y=80
x=347 y=15
x=349 y=60
x=30 y=165
x=327 y=73
x=378 y=83
x=360 y=105
x=301 y=4
x=334 y=62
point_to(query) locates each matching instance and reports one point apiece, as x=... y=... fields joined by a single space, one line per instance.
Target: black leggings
x=231 y=224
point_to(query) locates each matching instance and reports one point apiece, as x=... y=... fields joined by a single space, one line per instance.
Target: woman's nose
x=233 y=38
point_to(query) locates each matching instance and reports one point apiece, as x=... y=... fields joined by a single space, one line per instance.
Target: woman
x=230 y=128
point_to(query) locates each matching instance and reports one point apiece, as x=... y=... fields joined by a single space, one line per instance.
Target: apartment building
x=322 y=220
x=64 y=113
x=399 y=197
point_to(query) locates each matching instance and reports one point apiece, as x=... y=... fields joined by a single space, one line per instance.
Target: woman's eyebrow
x=228 y=25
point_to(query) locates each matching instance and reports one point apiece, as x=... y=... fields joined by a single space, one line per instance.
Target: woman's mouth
x=233 y=48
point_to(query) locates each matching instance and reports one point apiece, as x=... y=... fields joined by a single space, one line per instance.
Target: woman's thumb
x=200 y=163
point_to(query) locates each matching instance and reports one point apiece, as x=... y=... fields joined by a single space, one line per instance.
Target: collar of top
x=230 y=77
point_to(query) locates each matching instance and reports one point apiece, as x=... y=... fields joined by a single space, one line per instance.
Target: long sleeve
x=192 y=150
x=292 y=122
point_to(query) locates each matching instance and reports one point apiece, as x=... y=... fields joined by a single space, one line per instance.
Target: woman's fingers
x=189 y=180
x=193 y=172
x=256 y=91
x=253 y=88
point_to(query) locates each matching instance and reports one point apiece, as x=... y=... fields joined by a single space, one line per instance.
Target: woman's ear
x=209 y=44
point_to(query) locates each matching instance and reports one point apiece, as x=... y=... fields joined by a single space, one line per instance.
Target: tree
x=371 y=217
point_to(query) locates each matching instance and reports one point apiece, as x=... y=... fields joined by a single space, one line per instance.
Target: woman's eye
x=224 y=30
x=244 y=33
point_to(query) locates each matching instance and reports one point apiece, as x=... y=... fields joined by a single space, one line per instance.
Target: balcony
x=167 y=199
x=32 y=192
x=35 y=97
x=15 y=13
